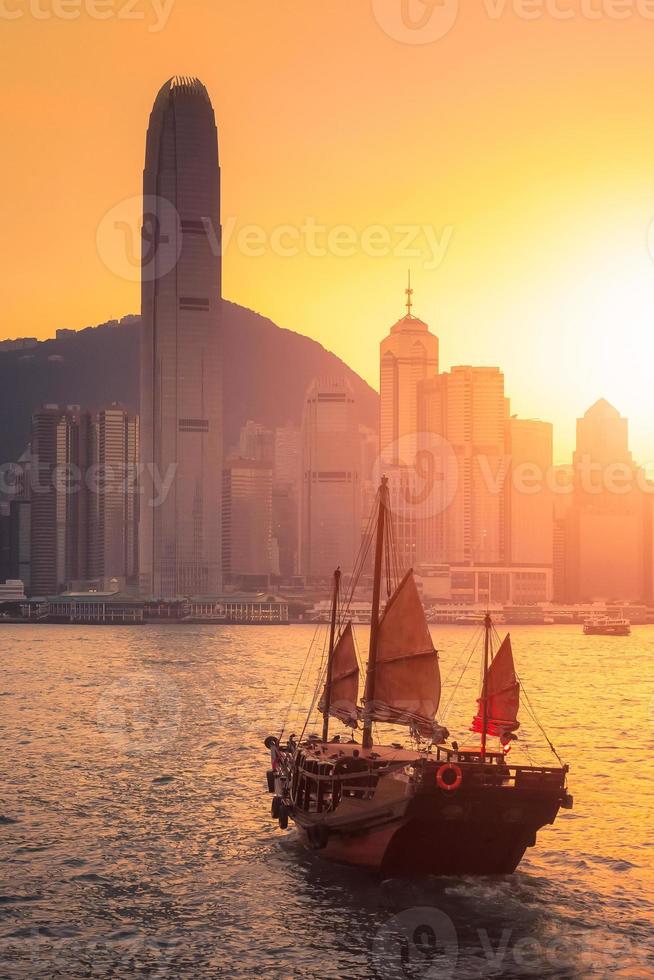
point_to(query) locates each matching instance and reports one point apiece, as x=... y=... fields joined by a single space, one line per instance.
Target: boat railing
x=319 y=787
x=479 y=774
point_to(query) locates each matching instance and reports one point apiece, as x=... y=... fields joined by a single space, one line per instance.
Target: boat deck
x=332 y=751
x=382 y=754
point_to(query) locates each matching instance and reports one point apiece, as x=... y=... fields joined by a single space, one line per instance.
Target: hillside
x=267 y=372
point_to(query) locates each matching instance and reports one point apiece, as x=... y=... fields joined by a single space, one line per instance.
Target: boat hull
x=607 y=631
x=365 y=849
x=464 y=833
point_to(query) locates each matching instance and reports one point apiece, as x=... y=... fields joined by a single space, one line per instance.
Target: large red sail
x=407 y=681
x=345 y=681
x=503 y=696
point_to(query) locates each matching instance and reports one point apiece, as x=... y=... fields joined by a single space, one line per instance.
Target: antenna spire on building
x=409 y=295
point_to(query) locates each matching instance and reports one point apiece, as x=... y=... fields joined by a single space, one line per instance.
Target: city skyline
x=457 y=422
x=561 y=263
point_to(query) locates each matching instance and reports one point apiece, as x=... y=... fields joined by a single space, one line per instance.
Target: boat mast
x=374 y=621
x=484 y=691
x=330 y=658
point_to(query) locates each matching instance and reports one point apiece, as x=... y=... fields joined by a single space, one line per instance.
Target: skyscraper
x=247 y=518
x=82 y=516
x=181 y=390
x=286 y=496
x=112 y=495
x=58 y=524
x=408 y=356
x=330 y=507
x=15 y=521
x=608 y=534
x=529 y=513
x=467 y=408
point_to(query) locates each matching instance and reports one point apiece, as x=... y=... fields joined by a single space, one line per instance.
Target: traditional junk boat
x=430 y=809
x=607 y=626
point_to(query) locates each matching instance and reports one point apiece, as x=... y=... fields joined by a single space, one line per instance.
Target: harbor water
x=135 y=830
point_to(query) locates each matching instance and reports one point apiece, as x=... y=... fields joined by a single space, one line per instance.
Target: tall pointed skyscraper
x=181 y=389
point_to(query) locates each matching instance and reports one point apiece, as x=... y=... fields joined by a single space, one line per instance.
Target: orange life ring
x=458 y=777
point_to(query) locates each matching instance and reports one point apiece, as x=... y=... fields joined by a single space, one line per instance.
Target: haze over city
x=521 y=142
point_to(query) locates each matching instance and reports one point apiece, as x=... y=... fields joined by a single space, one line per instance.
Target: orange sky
x=524 y=146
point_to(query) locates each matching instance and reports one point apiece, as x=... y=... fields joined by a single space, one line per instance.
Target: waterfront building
x=485 y=584
x=13 y=590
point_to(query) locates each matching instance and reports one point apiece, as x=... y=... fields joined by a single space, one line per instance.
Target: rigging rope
x=297 y=685
x=532 y=713
x=531 y=710
x=472 y=643
x=359 y=565
x=321 y=673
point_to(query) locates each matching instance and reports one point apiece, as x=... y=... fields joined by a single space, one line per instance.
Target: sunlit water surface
x=136 y=840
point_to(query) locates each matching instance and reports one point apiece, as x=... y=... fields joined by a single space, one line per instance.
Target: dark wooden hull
x=483 y=831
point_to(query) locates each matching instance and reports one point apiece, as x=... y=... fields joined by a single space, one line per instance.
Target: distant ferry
x=607 y=626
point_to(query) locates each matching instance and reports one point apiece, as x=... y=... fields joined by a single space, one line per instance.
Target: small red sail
x=407 y=683
x=345 y=681
x=503 y=693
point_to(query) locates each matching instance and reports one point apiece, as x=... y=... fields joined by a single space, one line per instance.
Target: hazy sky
x=518 y=148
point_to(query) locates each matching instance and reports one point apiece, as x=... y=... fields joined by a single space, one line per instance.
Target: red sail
x=503 y=693
x=407 y=683
x=345 y=681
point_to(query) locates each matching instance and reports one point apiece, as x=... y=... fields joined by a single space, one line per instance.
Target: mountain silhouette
x=267 y=372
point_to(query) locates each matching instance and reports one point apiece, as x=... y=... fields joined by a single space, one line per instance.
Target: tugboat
x=607 y=626
x=435 y=808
